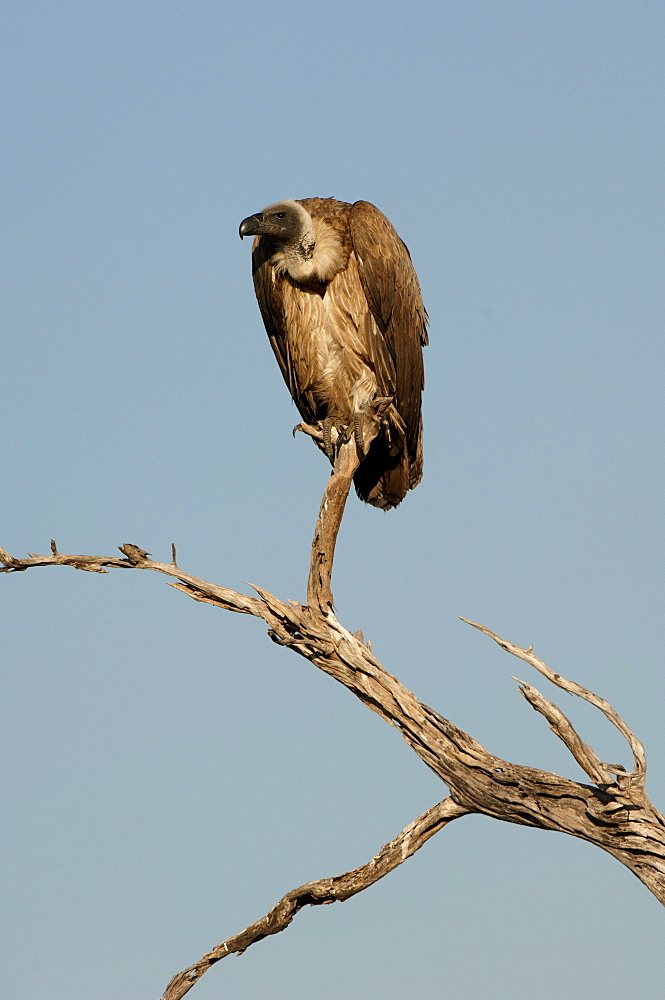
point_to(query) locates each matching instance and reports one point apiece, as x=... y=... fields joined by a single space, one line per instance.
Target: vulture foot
x=313 y=430
x=368 y=422
x=329 y=434
x=334 y=436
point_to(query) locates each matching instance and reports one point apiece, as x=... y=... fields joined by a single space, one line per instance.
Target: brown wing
x=393 y=294
x=270 y=297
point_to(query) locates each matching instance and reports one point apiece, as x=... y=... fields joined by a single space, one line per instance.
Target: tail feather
x=382 y=479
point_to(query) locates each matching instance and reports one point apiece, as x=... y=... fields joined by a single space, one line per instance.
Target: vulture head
x=306 y=249
x=287 y=222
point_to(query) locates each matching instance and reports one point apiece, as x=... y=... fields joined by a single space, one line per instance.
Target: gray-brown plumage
x=341 y=303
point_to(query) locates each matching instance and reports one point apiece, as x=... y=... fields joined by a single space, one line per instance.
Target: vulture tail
x=382 y=479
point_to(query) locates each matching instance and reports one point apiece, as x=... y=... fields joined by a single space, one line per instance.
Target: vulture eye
x=280 y=215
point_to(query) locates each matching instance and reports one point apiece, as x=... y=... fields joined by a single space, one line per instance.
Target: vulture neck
x=316 y=254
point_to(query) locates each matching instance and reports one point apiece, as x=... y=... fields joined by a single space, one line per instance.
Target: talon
x=380 y=404
x=342 y=434
x=310 y=429
x=328 y=434
x=335 y=434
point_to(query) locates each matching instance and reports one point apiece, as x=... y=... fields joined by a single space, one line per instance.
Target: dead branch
x=639 y=774
x=562 y=727
x=613 y=812
x=326 y=890
x=319 y=594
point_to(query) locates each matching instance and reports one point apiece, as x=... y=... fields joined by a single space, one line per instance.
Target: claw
x=368 y=422
x=343 y=434
x=310 y=429
x=335 y=434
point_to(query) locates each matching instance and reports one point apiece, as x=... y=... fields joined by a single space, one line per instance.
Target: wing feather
x=270 y=294
x=393 y=294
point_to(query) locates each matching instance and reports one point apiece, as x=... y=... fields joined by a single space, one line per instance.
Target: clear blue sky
x=169 y=772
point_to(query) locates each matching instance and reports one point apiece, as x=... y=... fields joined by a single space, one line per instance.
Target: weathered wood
x=319 y=593
x=323 y=891
x=613 y=811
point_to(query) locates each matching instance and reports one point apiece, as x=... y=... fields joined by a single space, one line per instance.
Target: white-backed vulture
x=342 y=307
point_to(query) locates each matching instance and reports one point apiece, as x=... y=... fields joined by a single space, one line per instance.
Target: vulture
x=342 y=307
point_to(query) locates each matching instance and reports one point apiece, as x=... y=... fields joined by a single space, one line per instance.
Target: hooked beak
x=251 y=226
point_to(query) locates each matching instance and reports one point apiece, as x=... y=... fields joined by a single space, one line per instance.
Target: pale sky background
x=168 y=772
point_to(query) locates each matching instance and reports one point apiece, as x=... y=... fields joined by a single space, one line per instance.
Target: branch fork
x=613 y=812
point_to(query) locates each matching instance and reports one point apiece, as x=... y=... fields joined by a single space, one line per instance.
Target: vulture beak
x=251 y=225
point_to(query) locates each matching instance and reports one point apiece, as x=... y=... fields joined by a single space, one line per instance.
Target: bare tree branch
x=319 y=594
x=326 y=890
x=638 y=776
x=613 y=812
x=615 y=815
x=137 y=558
x=563 y=728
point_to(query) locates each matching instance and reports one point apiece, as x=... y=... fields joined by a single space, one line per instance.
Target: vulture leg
x=359 y=433
x=327 y=430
